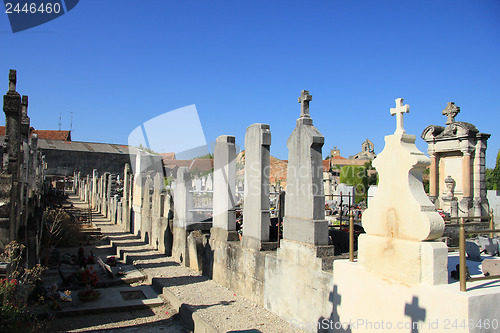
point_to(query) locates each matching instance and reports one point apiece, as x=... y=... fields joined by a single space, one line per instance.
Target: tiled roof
x=199 y=164
x=53 y=135
x=46 y=134
x=167 y=156
x=326 y=165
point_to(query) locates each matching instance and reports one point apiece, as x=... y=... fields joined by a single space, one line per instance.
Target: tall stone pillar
x=305 y=201
x=23 y=178
x=482 y=207
x=224 y=200
x=433 y=179
x=157 y=210
x=146 y=226
x=256 y=215
x=126 y=198
x=95 y=178
x=182 y=215
x=10 y=190
x=467 y=201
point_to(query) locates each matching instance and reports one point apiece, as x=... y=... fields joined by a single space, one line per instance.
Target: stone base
x=253 y=243
x=179 y=249
x=367 y=302
x=314 y=232
x=195 y=246
x=464 y=206
x=220 y=234
x=303 y=254
x=403 y=260
x=491 y=266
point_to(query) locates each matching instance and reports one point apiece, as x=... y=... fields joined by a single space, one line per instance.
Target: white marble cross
x=304 y=100
x=398 y=111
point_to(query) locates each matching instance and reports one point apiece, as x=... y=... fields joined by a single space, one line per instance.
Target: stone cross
x=304 y=100
x=12 y=80
x=398 y=111
x=451 y=112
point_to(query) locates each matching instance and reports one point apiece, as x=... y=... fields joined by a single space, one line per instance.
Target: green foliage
x=355 y=175
x=493 y=176
x=151 y=151
x=205 y=157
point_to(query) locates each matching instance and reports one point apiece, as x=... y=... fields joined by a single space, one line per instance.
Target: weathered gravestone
x=256 y=216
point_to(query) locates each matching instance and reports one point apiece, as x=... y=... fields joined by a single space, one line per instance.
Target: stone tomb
x=457 y=171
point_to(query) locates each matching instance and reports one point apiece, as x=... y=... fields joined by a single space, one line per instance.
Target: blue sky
x=115 y=64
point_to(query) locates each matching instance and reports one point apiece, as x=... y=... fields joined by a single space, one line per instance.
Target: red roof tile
x=46 y=134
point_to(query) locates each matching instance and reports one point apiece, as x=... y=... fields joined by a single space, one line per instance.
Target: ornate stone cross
x=451 y=112
x=398 y=111
x=304 y=100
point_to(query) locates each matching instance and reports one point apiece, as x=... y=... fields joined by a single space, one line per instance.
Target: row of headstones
x=139 y=204
x=256 y=210
x=203 y=183
x=101 y=192
x=23 y=172
x=304 y=210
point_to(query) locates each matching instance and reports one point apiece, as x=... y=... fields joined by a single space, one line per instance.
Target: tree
x=493 y=176
x=355 y=175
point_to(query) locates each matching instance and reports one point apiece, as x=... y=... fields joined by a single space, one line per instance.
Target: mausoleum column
x=466 y=172
x=433 y=176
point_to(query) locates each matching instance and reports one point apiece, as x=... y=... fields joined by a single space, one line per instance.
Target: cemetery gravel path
x=221 y=308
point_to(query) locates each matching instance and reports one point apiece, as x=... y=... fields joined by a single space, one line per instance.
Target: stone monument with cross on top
x=402 y=215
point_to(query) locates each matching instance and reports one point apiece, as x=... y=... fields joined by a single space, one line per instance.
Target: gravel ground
x=217 y=305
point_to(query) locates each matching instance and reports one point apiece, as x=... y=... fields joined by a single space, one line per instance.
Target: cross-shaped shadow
x=415 y=313
x=334 y=323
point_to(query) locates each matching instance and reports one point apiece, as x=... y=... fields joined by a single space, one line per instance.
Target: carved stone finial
x=450 y=187
x=12 y=80
x=451 y=111
x=304 y=100
x=24 y=100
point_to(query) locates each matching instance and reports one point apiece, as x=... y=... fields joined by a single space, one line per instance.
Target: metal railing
x=351 y=237
x=462 y=252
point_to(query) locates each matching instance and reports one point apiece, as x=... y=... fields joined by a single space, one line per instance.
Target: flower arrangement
x=111 y=261
x=88 y=295
x=87 y=277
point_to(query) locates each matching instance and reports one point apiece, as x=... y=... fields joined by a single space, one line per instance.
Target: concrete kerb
x=189 y=316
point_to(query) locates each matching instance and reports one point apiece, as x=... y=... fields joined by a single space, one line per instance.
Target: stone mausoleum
x=457 y=173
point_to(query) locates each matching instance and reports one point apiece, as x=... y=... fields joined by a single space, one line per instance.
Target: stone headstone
x=473 y=251
x=209 y=183
x=224 y=201
x=305 y=201
x=488 y=245
x=256 y=215
x=197 y=184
